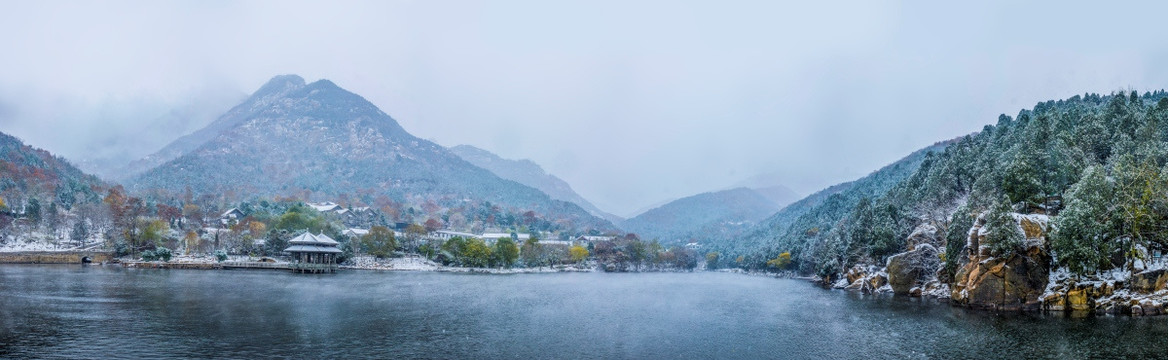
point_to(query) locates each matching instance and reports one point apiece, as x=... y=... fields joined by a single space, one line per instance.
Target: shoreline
x=1072 y=300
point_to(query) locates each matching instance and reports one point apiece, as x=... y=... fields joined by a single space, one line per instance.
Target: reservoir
x=74 y=311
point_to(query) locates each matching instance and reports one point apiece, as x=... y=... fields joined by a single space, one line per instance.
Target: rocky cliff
x=1014 y=282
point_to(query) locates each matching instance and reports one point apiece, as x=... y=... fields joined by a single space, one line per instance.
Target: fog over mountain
x=703 y=217
x=665 y=100
x=531 y=174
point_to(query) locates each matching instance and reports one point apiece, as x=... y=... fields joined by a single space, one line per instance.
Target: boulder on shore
x=912 y=268
x=866 y=278
x=1149 y=281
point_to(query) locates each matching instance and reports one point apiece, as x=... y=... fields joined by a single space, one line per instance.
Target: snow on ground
x=195 y=259
x=1036 y=218
x=421 y=264
x=40 y=245
x=406 y=264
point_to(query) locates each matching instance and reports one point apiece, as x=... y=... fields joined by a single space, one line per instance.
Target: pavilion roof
x=313 y=249
x=308 y=238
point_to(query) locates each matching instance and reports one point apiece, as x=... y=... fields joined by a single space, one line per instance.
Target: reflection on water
x=98 y=312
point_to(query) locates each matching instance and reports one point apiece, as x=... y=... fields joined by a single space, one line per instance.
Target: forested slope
x=1095 y=163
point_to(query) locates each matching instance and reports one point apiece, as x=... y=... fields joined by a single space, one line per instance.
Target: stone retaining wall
x=55 y=257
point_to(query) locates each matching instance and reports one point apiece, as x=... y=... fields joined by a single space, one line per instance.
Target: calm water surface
x=101 y=312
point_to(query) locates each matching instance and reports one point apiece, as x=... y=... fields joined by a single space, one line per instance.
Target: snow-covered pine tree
x=1004 y=236
x=1081 y=234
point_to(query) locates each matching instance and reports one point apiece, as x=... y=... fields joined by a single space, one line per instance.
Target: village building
x=494 y=236
x=556 y=243
x=326 y=206
x=355 y=233
x=588 y=238
x=313 y=253
x=447 y=235
x=233 y=215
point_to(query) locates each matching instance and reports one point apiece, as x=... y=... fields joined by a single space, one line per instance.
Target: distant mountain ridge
x=292 y=137
x=529 y=173
x=820 y=210
x=703 y=216
x=771 y=186
x=778 y=194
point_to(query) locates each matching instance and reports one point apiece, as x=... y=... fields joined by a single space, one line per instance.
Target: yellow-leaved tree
x=780 y=262
x=192 y=241
x=578 y=253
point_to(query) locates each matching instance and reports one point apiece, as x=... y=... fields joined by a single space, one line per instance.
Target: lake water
x=102 y=312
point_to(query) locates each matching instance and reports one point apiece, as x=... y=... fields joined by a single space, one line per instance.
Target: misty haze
x=583 y=179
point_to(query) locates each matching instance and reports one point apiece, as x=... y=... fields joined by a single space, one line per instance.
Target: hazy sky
x=631 y=102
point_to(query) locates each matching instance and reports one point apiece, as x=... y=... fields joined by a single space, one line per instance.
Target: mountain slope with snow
x=319 y=141
x=27 y=172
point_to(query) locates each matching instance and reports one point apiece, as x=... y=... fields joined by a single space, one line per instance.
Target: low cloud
x=630 y=102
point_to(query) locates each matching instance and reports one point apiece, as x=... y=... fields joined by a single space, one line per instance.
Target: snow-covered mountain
x=318 y=141
x=703 y=217
x=529 y=173
x=266 y=96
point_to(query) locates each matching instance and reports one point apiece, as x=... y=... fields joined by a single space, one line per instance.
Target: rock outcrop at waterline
x=866 y=278
x=912 y=269
x=914 y=272
x=1140 y=294
x=1019 y=282
x=1015 y=282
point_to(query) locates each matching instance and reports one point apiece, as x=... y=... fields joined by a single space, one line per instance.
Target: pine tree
x=80 y=231
x=1082 y=232
x=1020 y=180
x=32 y=210
x=1005 y=236
x=1139 y=198
x=956 y=238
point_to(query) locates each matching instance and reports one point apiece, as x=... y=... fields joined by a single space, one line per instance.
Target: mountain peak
x=287 y=78
x=322 y=84
x=291 y=136
x=280 y=83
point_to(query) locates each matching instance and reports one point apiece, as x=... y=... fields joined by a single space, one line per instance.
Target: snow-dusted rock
x=924 y=233
x=1016 y=282
x=913 y=268
x=1149 y=281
